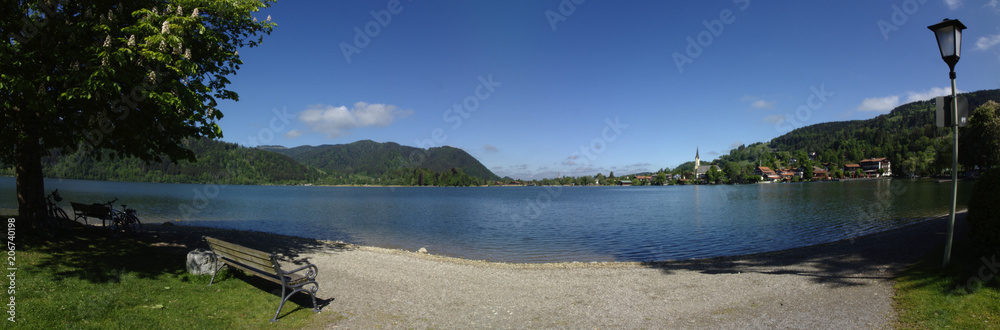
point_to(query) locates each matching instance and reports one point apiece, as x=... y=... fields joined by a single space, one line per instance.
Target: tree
x=661 y=178
x=135 y=78
x=807 y=170
x=713 y=175
x=980 y=142
x=984 y=211
x=733 y=171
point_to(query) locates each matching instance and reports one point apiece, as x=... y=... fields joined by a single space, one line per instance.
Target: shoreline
x=273 y=239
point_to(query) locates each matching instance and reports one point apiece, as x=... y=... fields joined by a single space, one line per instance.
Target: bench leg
x=285 y=298
x=216 y=272
x=282 y=304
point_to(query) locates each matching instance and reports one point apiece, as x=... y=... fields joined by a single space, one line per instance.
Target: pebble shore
x=844 y=284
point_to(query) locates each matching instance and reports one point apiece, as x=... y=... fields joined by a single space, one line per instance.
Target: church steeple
x=697 y=160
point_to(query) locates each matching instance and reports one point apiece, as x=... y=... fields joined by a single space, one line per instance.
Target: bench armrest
x=311 y=273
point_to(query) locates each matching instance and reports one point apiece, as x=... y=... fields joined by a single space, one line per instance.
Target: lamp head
x=949 y=39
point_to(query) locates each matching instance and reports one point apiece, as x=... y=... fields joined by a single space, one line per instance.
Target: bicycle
x=54 y=216
x=124 y=221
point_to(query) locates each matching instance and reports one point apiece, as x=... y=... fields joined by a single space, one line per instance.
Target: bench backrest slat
x=262 y=261
x=91 y=209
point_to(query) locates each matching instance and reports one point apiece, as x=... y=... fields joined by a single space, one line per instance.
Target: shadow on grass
x=90 y=253
x=969 y=271
x=851 y=262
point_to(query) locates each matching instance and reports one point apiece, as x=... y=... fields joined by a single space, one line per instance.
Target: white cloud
x=985 y=43
x=490 y=148
x=929 y=94
x=735 y=145
x=880 y=104
x=336 y=121
x=887 y=103
x=293 y=134
x=761 y=104
x=758 y=103
x=953 y=4
x=774 y=119
x=992 y=4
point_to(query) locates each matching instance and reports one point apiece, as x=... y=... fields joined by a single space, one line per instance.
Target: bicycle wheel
x=115 y=214
x=117 y=225
x=61 y=216
x=132 y=224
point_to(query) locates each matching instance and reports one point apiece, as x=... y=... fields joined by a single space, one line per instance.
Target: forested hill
x=218 y=162
x=876 y=132
x=375 y=159
x=907 y=135
x=358 y=163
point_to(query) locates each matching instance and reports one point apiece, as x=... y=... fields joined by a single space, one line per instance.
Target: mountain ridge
x=358 y=163
x=380 y=158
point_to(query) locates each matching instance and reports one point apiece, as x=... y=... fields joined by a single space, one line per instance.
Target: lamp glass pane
x=945 y=39
x=958 y=42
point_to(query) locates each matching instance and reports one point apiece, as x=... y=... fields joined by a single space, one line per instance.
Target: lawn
x=964 y=295
x=84 y=279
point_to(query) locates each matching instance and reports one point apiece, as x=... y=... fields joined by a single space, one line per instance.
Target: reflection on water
x=539 y=224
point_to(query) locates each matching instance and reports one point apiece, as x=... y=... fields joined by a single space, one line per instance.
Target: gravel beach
x=845 y=284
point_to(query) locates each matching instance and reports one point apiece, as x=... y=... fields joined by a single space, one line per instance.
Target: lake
x=538 y=224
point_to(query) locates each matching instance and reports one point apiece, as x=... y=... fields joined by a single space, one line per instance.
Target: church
x=700 y=171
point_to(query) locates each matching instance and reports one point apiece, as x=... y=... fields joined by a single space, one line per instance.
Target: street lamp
x=949 y=39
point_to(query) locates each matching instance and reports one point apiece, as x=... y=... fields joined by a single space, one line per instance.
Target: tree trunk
x=30 y=179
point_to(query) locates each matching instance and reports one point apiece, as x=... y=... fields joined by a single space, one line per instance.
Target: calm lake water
x=538 y=224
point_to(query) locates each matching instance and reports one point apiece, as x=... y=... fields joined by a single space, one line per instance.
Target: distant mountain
x=377 y=159
x=358 y=163
x=218 y=162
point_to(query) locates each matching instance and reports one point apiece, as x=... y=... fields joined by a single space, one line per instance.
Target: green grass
x=84 y=279
x=928 y=296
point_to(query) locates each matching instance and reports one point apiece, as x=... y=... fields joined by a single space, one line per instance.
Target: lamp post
x=949 y=39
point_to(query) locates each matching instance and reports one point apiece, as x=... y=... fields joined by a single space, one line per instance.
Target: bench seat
x=266 y=266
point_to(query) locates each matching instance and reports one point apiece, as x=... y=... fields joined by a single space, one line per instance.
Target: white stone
x=201 y=262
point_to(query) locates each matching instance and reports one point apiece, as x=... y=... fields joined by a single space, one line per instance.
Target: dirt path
x=846 y=284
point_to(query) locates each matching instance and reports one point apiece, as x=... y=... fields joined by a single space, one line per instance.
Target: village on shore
x=871 y=168
x=865 y=169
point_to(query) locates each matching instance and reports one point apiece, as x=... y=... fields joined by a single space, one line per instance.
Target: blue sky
x=539 y=89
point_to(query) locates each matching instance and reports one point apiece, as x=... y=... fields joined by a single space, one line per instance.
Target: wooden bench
x=266 y=266
x=100 y=211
